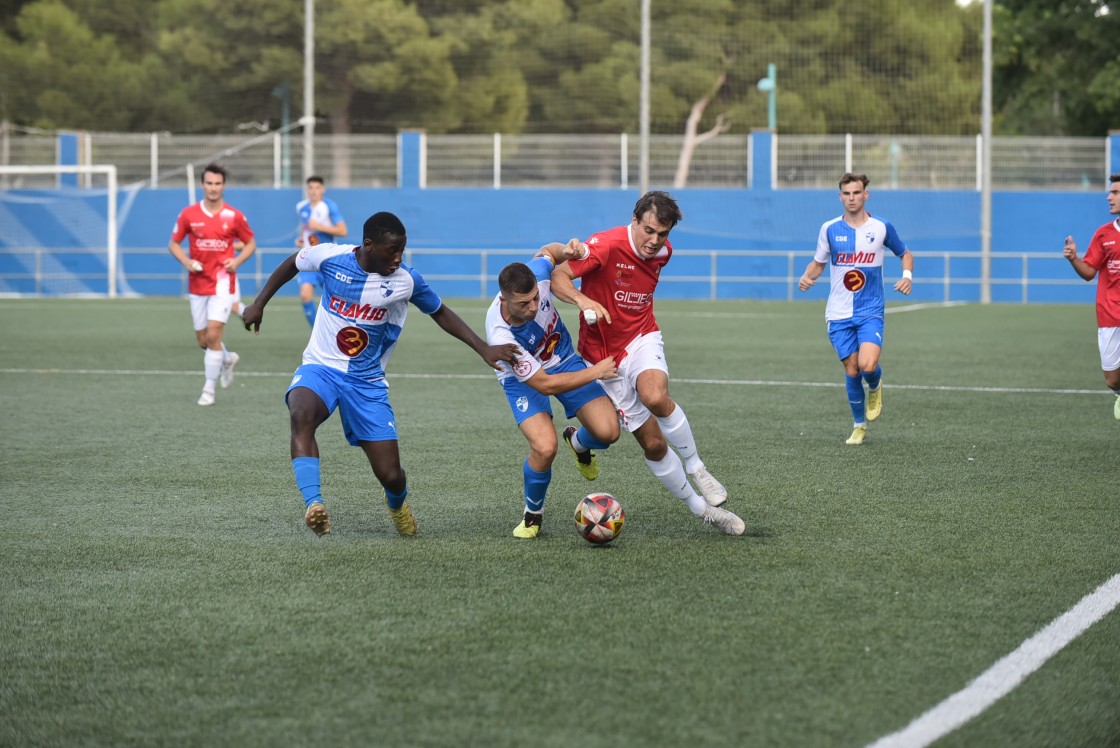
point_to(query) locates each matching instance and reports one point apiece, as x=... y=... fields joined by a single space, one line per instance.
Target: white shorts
x=644 y=352
x=1108 y=339
x=206 y=309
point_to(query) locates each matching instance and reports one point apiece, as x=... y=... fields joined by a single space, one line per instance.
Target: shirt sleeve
x=597 y=250
x=894 y=242
x=242 y=230
x=824 y=251
x=181 y=228
x=424 y=296
x=1094 y=255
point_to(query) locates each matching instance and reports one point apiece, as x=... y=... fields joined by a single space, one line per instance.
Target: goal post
x=42 y=220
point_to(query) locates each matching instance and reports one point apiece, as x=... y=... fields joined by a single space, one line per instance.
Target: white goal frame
x=110 y=171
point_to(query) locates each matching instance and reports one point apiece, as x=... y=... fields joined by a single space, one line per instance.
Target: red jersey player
x=213 y=228
x=1103 y=256
x=619 y=275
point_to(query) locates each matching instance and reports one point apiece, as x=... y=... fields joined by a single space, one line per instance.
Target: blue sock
x=309 y=308
x=536 y=486
x=874 y=378
x=855 y=397
x=306 y=470
x=586 y=439
x=396 y=500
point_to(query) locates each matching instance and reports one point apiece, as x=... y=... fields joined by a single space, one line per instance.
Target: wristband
x=907 y=275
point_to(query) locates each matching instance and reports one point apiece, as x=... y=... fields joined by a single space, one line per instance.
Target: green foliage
x=480 y=66
x=1056 y=67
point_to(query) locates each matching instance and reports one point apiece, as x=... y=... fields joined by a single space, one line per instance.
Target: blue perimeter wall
x=523 y=219
x=517 y=221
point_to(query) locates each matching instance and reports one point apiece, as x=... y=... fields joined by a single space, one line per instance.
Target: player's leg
x=201 y=307
x=652 y=384
x=870 y=337
x=536 y=471
x=368 y=422
x=532 y=412
x=1108 y=339
x=598 y=425
x=842 y=335
x=309 y=404
x=307 y=283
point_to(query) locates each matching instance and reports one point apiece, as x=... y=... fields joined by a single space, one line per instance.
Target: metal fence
x=1017 y=277
x=598 y=161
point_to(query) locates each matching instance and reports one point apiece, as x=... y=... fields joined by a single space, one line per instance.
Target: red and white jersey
x=211 y=242
x=1104 y=255
x=616 y=276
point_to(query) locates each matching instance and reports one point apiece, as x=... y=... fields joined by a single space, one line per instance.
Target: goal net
x=58 y=231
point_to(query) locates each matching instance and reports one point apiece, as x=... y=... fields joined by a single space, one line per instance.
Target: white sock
x=212 y=365
x=678 y=432
x=670 y=472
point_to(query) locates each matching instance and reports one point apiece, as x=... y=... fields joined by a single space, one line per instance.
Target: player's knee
x=609 y=433
x=542 y=454
x=1112 y=378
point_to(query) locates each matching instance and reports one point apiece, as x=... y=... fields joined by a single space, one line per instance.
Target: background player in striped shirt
x=320 y=222
x=366 y=293
x=1103 y=256
x=618 y=278
x=852 y=246
x=215 y=230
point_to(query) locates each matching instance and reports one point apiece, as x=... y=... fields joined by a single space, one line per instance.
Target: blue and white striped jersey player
x=366 y=293
x=853 y=247
x=524 y=314
x=320 y=222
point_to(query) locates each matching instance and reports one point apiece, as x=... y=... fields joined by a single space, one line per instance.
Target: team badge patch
x=854 y=280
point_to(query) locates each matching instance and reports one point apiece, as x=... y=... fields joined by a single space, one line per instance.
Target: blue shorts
x=313 y=277
x=847 y=335
x=363 y=406
x=525 y=402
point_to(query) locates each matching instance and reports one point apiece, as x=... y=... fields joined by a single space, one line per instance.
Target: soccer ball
x=599 y=518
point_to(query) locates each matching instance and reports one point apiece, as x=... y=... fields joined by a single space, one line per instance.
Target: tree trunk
x=691 y=138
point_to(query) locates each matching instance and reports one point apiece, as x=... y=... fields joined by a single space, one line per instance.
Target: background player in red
x=618 y=278
x=1103 y=256
x=213 y=228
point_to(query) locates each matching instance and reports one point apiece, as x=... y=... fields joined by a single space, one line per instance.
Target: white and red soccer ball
x=599 y=518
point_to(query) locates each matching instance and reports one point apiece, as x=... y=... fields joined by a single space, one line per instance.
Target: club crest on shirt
x=854 y=280
x=386 y=289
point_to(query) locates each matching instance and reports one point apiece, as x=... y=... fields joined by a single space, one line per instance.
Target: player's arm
x=905 y=283
x=247 y=250
x=812 y=271
x=564 y=288
x=1082 y=268
x=453 y=325
x=558 y=253
x=176 y=250
x=566 y=381
x=254 y=313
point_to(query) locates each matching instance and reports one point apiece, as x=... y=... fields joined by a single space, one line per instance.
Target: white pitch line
x=919 y=307
x=727 y=382
x=1004 y=676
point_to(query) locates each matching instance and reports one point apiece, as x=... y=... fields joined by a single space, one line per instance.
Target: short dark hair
x=315 y=178
x=1114 y=178
x=381 y=225
x=850 y=177
x=516 y=277
x=215 y=169
x=663 y=206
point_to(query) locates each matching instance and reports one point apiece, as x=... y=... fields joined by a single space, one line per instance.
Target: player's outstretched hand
x=495 y=354
x=606 y=368
x=251 y=316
